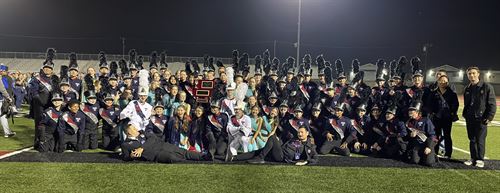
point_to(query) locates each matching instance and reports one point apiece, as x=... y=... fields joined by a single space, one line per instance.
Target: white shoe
x=469 y=162
x=480 y=163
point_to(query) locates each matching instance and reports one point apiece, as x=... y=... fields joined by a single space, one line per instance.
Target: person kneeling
x=422 y=138
x=149 y=147
x=300 y=150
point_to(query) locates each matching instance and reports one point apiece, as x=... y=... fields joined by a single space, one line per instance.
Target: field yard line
x=16 y=152
x=461 y=174
x=465 y=151
x=490 y=173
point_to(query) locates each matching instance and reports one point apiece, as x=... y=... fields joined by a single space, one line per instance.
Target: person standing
x=5 y=95
x=479 y=111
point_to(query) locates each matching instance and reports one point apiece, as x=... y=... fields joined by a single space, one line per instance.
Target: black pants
x=70 y=142
x=272 y=151
x=171 y=154
x=394 y=149
x=217 y=143
x=110 y=138
x=417 y=155
x=443 y=132
x=476 y=131
x=47 y=142
x=90 y=138
x=329 y=146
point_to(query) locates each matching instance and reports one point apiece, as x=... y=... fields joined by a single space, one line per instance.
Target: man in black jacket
x=479 y=111
x=149 y=147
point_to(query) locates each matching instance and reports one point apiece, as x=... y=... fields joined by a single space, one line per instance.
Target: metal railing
x=109 y=57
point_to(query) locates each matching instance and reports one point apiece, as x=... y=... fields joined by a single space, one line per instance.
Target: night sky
x=461 y=32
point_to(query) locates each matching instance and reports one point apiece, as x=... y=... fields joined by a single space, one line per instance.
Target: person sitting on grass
x=146 y=146
x=299 y=151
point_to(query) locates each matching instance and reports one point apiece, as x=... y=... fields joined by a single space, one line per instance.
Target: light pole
x=298 y=34
x=123 y=47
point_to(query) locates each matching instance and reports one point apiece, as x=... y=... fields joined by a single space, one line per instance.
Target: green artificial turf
x=79 y=177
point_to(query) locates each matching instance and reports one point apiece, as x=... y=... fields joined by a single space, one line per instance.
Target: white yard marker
x=16 y=152
x=465 y=151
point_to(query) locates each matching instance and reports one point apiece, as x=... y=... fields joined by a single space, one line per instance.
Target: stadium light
x=488 y=74
x=431 y=72
x=384 y=71
x=461 y=73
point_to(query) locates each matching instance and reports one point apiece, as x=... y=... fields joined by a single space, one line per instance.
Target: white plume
x=230 y=75
x=143 y=79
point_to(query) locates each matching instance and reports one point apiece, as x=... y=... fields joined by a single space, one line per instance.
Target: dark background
x=461 y=32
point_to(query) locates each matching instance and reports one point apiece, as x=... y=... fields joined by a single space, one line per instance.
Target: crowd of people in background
x=275 y=113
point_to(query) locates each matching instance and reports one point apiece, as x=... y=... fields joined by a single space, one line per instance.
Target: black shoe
x=256 y=161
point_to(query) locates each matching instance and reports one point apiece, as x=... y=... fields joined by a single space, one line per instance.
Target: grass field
x=85 y=177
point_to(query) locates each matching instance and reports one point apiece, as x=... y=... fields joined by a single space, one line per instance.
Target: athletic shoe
x=256 y=160
x=10 y=135
x=469 y=162
x=480 y=163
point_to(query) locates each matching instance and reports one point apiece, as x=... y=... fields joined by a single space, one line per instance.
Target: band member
x=339 y=133
x=91 y=111
x=361 y=124
x=41 y=89
x=479 y=110
x=217 y=135
x=240 y=129
x=260 y=129
x=228 y=104
x=422 y=137
x=110 y=123
x=71 y=128
x=138 y=111
x=292 y=125
x=158 y=122
x=48 y=126
x=391 y=143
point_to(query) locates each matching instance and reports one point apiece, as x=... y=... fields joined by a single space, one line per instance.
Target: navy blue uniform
x=48 y=130
x=157 y=125
x=76 y=86
x=40 y=91
x=417 y=144
x=291 y=128
x=110 y=119
x=91 y=122
x=342 y=131
x=71 y=129
x=216 y=133
x=392 y=142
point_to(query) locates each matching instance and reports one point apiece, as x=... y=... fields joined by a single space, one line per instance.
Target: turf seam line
x=465 y=151
x=16 y=152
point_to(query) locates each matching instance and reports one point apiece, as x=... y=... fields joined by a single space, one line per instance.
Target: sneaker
x=469 y=162
x=480 y=163
x=12 y=134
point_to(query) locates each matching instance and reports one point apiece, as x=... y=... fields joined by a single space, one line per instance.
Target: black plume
x=153 y=61
x=307 y=61
x=211 y=63
x=72 y=60
x=401 y=65
x=244 y=64
x=140 y=61
x=393 y=67
x=415 y=65
x=205 y=62
x=294 y=84
x=123 y=66
x=258 y=61
x=267 y=62
x=320 y=61
x=113 y=68
x=358 y=77
x=163 y=59
x=63 y=74
x=51 y=54
x=102 y=58
x=290 y=62
x=89 y=81
x=132 y=57
x=219 y=63
x=339 y=67
x=235 y=59
x=276 y=64
x=195 y=65
x=328 y=75
x=188 y=67
x=380 y=68
x=355 y=66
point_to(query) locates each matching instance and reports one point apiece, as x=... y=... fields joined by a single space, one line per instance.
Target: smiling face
x=74 y=107
x=198 y=112
x=255 y=111
x=159 y=110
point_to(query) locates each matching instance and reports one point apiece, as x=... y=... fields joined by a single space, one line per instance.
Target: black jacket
x=294 y=145
x=479 y=104
x=443 y=110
